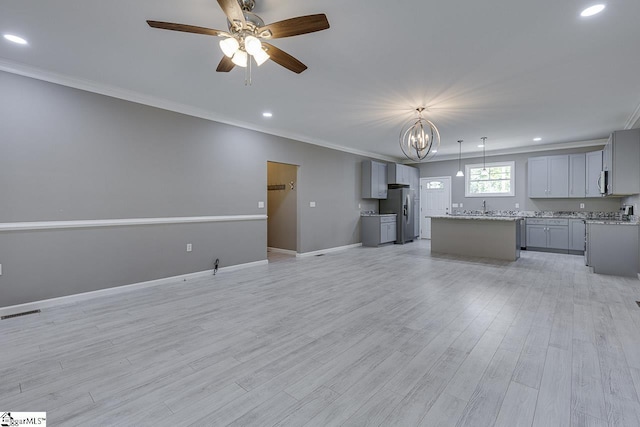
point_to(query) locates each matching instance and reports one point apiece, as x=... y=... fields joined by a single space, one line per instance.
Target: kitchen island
x=496 y=237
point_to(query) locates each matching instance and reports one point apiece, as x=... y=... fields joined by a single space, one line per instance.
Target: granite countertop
x=605 y=222
x=479 y=217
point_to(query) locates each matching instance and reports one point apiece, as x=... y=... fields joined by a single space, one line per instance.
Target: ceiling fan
x=246 y=30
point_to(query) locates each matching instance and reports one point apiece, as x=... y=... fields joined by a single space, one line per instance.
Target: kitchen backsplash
x=550 y=214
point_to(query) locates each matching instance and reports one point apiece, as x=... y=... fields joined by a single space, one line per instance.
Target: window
x=435 y=185
x=497 y=181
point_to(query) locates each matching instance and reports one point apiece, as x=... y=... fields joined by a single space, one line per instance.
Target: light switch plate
x=312 y=204
x=189 y=247
x=455 y=205
x=0 y=269
x=260 y=205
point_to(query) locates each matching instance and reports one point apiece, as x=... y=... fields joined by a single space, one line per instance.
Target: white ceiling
x=508 y=70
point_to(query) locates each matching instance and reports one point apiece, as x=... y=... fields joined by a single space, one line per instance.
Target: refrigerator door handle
x=407 y=208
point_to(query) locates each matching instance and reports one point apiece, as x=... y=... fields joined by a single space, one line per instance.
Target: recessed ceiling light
x=537 y=139
x=481 y=146
x=15 y=39
x=267 y=114
x=434 y=151
x=593 y=10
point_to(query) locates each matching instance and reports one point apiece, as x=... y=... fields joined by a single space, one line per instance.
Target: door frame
x=423 y=201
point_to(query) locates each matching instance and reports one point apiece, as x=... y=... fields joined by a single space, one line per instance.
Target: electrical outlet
x=189 y=247
x=460 y=204
x=517 y=205
x=260 y=205
x=312 y=204
x=454 y=205
x=0 y=269
x=581 y=205
x=359 y=206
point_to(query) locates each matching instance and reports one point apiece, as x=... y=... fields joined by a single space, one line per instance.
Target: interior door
x=435 y=199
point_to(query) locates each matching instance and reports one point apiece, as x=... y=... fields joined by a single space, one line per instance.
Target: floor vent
x=11 y=316
x=320 y=255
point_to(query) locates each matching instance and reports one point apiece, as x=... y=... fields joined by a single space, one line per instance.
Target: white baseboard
x=281 y=251
x=328 y=250
x=70 y=299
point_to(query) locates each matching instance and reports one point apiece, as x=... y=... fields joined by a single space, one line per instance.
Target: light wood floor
x=386 y=336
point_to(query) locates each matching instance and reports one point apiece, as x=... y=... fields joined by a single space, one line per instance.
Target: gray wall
x=282 y=207
x=67 y=154
x=450 y=167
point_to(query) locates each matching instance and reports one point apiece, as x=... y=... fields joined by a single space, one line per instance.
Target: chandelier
x=419 y=138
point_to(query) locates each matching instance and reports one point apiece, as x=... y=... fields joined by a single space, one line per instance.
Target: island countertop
x=479 y=217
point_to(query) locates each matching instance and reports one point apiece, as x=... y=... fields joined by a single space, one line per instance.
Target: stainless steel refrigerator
x=400 y=201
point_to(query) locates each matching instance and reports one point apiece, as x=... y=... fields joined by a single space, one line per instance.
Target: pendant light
x=460 y=173
x=419 y=138
x=484 y=158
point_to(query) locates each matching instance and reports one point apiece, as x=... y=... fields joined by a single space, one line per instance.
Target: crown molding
x=634 y=119
x=521 y=150
x=165 y=104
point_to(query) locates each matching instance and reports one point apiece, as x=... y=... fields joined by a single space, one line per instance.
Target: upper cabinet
x=549 y=177
x=621 y=157
x=592 y=173
x=401 y=174
x=566 y=176
x=577 y=173
x=374 y=180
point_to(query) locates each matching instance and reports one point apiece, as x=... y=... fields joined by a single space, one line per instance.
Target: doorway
x=282 y=210
x=435 y=199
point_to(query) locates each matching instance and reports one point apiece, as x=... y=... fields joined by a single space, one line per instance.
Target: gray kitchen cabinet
x=374 y=180
x=400 y=174
x=577 y=174
x=621 y=157
x=613 y=249
x=547 y=234
x=548 y=177
x=592 y=174
x=576 y=235
x=538 y=176
x=536 y=236
x=376 y=230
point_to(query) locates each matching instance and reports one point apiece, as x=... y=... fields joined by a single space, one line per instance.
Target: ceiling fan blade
x=225 y=65
x=186 y=28
x=281 y=57
x=295 y=26
x=232 y=9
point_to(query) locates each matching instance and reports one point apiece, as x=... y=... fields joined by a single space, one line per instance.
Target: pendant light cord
x=484 y=158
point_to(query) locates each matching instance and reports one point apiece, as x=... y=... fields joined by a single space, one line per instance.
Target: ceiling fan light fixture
x=261 y=57
x=252 y=45
x=229 y=46
x=240 y=58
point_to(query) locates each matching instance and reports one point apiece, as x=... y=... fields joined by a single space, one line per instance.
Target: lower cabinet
x=548 y=234
x=378 y=229
x=577 y=231
x=613 y=249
